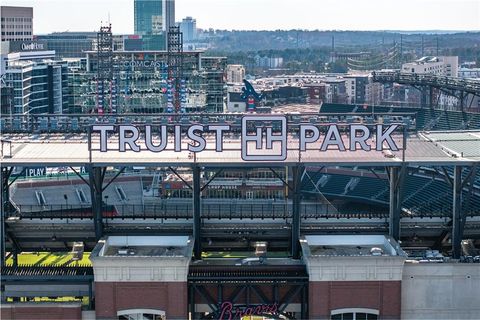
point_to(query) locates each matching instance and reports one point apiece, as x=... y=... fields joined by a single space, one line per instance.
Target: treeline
x=297 y=60
x=304 y=51
x=224 y=40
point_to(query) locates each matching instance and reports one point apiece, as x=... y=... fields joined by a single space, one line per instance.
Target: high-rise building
x=235 y=73
x=6 y=98
x=214 y=74
x=69 y=44
x=154 y=18
x=188 y=26
x=38 y=86
x=16 y=23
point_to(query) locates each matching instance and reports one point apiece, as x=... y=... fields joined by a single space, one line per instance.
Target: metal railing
x=165 y=210
x=451 y=83
x=80 y=123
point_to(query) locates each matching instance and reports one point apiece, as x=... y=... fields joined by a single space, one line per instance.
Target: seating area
x=426 y=118
x=74 y=194
x=423 y=196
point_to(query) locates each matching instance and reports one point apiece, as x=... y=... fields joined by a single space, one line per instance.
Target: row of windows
x=18 y=33
x=227 y=194
x=17 y=39
x=17 y=19
x=18 y=26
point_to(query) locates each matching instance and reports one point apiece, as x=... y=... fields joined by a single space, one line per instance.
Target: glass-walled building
x=139 y=84
x=214 y=70
x=152 y=20
x=38 y=86
x=69 y=44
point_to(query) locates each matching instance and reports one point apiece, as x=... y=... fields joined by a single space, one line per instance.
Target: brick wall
x=44 y=311
x=325 y=296
x=170 y=297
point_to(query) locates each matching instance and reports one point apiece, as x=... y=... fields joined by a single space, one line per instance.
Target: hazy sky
x=86 y=15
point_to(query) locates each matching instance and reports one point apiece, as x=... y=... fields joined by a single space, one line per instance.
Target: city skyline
x=423 y=15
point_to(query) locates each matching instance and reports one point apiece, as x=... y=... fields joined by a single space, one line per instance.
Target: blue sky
x=86 y=15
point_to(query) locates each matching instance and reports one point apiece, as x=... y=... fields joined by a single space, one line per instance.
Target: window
x=354 y=314
x=141 y=314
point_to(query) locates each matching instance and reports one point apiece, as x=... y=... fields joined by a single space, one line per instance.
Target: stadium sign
x=144 y=64
x=258 y=133
x=230 y=311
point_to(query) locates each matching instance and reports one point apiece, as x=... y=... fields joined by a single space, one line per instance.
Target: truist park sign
x=260 y=138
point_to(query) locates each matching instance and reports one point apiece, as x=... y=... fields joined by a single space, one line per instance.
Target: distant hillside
x=224 y=40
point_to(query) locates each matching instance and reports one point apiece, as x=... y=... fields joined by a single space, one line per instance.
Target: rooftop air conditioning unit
x=375 y=251
x=122 y=251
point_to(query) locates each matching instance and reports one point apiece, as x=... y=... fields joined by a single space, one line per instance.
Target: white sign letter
x=103 y=136
x=178 y=139
x=333 y=131
x=149 y=139
x=130 y=140
x=386 y=136
x=219 y=135
x=304 y=128
x=361 y=139
x=197 y=138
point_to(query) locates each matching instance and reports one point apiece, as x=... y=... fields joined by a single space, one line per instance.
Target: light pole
x=66 y=201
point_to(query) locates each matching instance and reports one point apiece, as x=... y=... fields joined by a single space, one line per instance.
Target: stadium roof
x=423 y=148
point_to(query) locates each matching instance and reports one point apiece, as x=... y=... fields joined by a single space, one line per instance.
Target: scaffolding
x=176 y=83
x=105 y=81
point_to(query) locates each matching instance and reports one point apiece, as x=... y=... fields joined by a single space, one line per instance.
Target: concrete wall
x=441 y=291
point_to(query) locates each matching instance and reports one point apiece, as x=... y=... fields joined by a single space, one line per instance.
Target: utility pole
x=423 y=47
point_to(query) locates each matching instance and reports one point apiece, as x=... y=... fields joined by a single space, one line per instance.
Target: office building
x=188 y=26
x=214 y=72
x=471 y=73
x=442 y=66
x=16 y=23
x=69 y=44
x=235 y=73
x=141 y=82
x=153 y=19
x=40 y=85
x=148 y=16
x=6 y=99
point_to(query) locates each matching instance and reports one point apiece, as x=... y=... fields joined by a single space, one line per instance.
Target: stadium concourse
x=319 y=234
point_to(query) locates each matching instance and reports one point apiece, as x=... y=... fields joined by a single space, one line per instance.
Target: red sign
x=230 y=312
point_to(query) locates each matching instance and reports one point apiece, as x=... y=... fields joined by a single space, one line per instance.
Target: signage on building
x=19 y=46
x=263 y=138
x=144 y=64
x=31 y=46
x=46 y=171
x=229 y=311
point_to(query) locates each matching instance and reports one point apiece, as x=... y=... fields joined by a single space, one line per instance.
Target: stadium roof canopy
x=422 y=148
